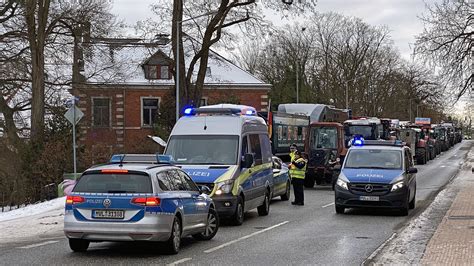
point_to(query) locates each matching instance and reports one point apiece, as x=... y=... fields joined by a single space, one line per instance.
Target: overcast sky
x=400 y=16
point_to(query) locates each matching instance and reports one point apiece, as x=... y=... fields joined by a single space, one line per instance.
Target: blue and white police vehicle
x=138 y=202
x=376 y=174
x=226 y=147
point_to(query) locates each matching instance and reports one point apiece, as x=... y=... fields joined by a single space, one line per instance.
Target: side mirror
x=248 y=160
x=412 y=170
x=276 y=171
x=204 y=190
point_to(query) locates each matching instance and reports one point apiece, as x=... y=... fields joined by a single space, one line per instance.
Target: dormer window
x=157 y=72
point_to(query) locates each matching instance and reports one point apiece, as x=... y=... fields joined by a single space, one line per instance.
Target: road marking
x=39 y=244
x=372 y=256
x=179 y=261
x=327 y=205
x=442 y=166
x=244 y=237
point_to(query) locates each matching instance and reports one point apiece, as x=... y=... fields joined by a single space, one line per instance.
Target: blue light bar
x=249 y=112
x=358 y=141
x=188 y=111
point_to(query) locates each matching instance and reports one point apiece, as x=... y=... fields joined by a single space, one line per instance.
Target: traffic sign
x=70 y=116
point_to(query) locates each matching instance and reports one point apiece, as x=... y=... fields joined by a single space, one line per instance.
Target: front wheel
x=340 y=209
x=264 y=209
x=212 y=226
x=309 y=181
x=238 y=217
x=287 y=194
x=78 y=245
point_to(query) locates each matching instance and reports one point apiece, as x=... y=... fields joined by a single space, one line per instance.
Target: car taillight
x=74 y=199
x=149 y=201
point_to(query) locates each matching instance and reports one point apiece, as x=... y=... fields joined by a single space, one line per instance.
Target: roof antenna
x=205 y=122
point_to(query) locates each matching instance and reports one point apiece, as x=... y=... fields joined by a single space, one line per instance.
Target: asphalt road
x=310 y=234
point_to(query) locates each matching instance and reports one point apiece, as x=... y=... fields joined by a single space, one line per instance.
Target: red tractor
x=326 y=151
x=422 y=148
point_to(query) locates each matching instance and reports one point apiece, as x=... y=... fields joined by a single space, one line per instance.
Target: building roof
x=126 y=57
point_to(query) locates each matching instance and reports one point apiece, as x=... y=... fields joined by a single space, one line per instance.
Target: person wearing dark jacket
x=297 y=173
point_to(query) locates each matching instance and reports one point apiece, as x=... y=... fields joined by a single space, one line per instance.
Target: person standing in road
x=297 y=173
x=293 y=149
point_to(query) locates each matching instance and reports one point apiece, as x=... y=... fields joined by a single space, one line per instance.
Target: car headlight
x=341 y=183
x=224 y=187
x=397 y=186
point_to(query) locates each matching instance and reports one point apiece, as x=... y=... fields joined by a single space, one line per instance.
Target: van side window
x=255 y=148
x=245 y=148
x=266 y=148
x=408 y=159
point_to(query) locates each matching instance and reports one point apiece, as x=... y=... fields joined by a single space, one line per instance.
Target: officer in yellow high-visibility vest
x=293 y=149
x=297 y=173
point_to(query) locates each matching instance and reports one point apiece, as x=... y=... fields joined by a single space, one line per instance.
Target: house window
x=164 y=72
x=149 y=111
x=101 y=112
x=203 y=101
x=157 y=72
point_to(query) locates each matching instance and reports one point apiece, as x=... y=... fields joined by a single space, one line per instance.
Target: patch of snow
x=33 y=209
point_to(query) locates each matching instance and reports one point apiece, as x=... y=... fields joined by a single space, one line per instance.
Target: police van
x=226 y=148
x=377 y=174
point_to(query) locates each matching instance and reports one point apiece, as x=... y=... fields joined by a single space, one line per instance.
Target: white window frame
x=110 y=111
x=141 y=108
x=206 y=101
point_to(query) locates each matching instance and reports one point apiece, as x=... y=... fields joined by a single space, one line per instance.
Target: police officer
x=297 y=173
x=293 y=149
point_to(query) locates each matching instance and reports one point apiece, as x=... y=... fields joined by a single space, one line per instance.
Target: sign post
x=73 y=115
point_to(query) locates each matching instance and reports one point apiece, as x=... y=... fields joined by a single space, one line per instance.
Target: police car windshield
x=114 y=183
x=374 y=158
x=203 y=149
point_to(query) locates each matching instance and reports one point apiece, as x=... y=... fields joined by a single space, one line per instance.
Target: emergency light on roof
x=358 y=141
x=248 y=111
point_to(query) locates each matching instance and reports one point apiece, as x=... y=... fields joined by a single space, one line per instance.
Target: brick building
x=122 y=83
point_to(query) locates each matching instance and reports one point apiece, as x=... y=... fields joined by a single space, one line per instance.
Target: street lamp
x=297 y=70
x=178 y=24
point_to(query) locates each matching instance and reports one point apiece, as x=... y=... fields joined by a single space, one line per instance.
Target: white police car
x=138 y=202
x=376 y=174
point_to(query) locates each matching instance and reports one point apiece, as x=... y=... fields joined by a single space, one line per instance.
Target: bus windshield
x=367 y=132
x=203 y=149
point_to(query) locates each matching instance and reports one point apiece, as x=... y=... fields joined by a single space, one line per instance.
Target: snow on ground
x=33 y=209
x=33 y=223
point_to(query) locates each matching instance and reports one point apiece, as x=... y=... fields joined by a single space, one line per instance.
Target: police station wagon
x=138 y=202
x=376 y=174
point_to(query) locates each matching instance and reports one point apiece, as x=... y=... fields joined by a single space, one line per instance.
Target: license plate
x=369 y=198
x=108 y=214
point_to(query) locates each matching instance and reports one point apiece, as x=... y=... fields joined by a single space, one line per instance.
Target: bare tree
x=339 y=55
x=448 y=41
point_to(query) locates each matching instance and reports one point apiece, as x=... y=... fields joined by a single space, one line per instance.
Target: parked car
x=138 y=202
x=281 y=179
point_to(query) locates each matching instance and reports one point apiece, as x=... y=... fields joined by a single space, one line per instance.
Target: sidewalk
x=453 y=241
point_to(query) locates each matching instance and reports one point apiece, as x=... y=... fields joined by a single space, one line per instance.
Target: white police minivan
x=226 y=147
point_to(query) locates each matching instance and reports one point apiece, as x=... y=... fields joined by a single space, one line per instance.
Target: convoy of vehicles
x=220 y=161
